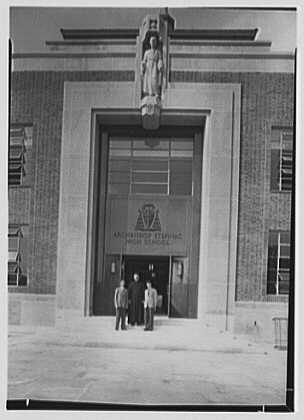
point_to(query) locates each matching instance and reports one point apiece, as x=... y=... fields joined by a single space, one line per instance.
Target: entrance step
x=169 y=334
x=172 y=334
x=89 y=323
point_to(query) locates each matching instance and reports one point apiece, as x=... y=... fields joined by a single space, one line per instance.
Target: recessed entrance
x=148 y=191
x=155 y=269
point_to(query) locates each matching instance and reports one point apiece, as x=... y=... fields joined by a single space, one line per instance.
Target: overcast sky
x=30 y=27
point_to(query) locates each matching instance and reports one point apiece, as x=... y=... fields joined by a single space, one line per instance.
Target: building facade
x=183 y=175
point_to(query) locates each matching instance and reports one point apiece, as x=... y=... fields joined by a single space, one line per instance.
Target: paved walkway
x=180 y=362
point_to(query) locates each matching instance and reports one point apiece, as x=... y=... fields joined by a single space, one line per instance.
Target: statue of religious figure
x=151 y=70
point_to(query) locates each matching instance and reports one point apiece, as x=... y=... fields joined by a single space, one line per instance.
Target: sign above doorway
x=140 y=227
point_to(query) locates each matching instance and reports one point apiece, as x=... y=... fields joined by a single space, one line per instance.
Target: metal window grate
x=282 y=160
x=144 y=165
x=17 y=150
x=278 y=273
x=16 y=276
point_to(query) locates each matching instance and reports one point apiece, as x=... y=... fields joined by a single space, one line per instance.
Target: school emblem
x=148 y=219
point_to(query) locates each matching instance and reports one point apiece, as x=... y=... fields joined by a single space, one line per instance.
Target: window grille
x=16 y=273
x=281 y=159
x=278 y=274
x=16 y=163
x=150 y=166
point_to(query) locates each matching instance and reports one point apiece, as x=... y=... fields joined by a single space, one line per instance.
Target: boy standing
x=150 y=306
x=121 y=305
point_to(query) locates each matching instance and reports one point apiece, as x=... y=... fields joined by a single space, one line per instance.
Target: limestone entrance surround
x=86 y=104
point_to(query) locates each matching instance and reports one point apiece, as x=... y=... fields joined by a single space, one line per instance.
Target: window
x=16 y=268
x=150 y=166
x=281 y=158
x=278 y=272
x=20 y=144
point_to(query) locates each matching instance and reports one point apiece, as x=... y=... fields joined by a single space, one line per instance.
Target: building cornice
x=267 y=56
x=211 y=43
x=215 y=34
x=178 y=34
x=90 y=42
x=178 y=42
x=69 y=34
x=75 y=55
x=254 y=56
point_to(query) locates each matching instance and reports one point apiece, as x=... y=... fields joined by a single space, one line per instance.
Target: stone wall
x=266 y=98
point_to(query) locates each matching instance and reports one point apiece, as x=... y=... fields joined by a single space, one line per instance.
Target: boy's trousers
x=120 y=316
x=149 y=318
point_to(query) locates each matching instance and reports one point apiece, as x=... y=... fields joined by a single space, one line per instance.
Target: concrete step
x=172 y=335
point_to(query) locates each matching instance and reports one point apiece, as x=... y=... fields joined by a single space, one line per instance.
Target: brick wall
x=19 y=205
x=37 y=97
x=266 y=99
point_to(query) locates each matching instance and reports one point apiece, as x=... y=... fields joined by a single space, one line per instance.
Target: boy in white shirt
x=150 y=306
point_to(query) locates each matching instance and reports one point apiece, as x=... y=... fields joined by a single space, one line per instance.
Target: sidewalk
x=181 y=362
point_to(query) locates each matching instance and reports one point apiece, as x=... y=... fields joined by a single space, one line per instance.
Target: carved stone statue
x=151 y=70
x=153 y=67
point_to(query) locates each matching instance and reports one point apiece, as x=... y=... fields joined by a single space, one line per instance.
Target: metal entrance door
x=151 y=268
x=179 y=300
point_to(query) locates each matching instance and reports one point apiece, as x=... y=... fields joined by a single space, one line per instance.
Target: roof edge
x=178 y=34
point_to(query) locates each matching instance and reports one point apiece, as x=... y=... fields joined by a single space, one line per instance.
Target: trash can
x=280 y=332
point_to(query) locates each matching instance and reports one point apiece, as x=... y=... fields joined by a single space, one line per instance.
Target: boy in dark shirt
x=121 y=305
